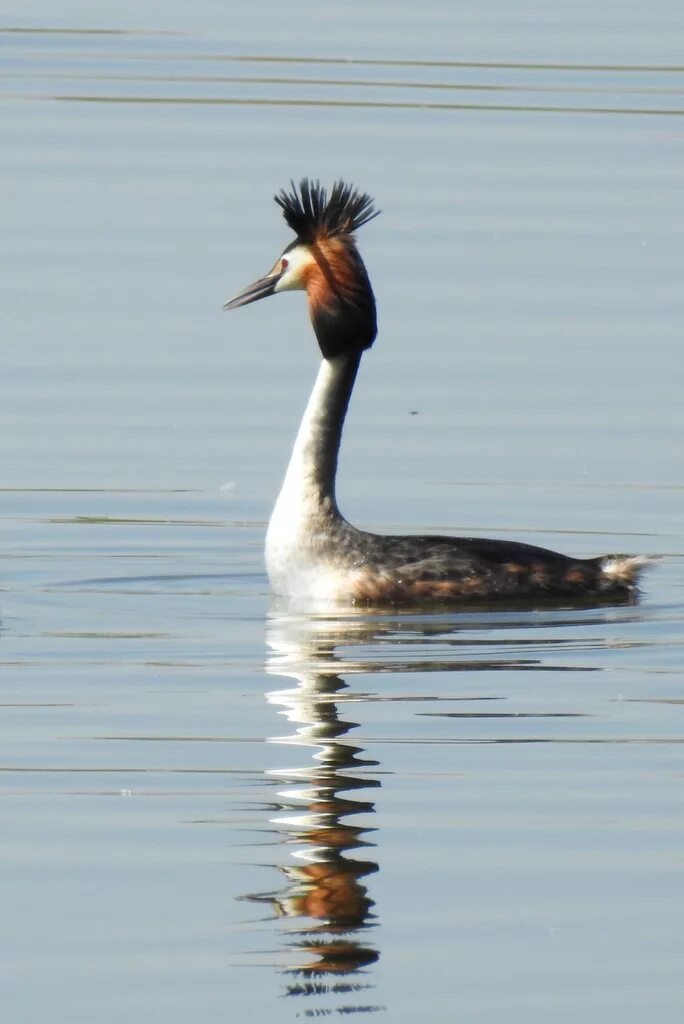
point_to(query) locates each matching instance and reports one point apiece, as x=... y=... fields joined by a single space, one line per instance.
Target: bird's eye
x=284 y=264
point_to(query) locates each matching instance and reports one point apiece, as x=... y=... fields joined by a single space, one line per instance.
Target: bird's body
x=312 y=552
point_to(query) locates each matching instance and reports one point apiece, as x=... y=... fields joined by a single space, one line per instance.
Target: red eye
x=284 y=264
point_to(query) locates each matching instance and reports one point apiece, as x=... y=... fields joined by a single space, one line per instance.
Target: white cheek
x=293 y=278
x=289 y=282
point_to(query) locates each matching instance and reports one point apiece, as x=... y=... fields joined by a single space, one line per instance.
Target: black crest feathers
x=314 y=216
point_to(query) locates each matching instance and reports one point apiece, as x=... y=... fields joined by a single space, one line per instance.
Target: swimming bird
x=312 y=551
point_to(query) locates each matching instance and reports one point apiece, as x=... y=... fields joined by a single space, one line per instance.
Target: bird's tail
x=624 y=570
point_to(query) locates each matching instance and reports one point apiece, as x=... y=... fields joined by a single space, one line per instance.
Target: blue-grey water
x=213 y=805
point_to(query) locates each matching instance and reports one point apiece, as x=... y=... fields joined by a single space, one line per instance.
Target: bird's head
x=324 y=261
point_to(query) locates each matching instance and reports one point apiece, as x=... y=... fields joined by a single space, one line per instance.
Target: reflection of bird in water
x=323 y=915
x=312 y=552
x=327 y=887
x=325 y=884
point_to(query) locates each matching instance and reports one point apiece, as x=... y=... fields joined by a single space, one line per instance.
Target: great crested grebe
x=312 y=552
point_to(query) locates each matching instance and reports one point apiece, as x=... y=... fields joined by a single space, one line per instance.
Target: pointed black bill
x=260 y=289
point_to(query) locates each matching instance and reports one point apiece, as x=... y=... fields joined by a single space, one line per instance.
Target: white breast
x=294 y=544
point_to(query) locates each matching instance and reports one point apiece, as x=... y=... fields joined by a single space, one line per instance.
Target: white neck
x=306 y=507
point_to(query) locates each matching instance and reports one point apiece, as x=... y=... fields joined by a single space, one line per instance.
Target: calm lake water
x=213 y=805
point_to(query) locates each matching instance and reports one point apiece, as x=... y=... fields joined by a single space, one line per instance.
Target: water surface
x=213 y=804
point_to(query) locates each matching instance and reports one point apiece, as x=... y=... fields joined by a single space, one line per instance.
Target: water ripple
x=125 y=75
